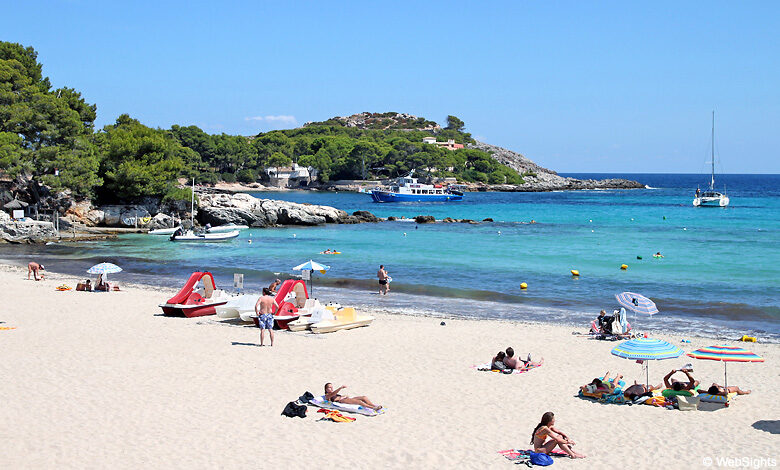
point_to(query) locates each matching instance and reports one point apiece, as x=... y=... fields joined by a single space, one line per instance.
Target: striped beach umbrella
x=646 y=349
x=637 y=302
x=104 y=268
x=725 y=354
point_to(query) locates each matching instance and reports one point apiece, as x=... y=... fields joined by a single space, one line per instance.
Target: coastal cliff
x=537 y=178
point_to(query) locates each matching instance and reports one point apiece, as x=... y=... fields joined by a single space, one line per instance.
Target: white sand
x=97 y=380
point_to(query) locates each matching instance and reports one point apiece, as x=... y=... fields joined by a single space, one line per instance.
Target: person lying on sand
x=716 y=389
x=513 y=363
x=639 y=390
x=604 y=385
x=35 y=269
x=676 y=384
x=546 y=429
x=333 y=395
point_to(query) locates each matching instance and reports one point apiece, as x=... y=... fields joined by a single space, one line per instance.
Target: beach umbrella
x=15 y=204
x=637 y=303
x=104 y=268
x=646 y=349
x=725 y=354
x=311 y=266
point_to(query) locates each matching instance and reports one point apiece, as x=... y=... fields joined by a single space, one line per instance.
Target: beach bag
x=306 y=397
x=542 y=460
x=292 y=410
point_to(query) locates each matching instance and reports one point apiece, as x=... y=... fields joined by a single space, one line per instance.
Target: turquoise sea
x=719 y=276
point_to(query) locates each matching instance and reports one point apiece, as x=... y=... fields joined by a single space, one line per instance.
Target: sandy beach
x=103 y=380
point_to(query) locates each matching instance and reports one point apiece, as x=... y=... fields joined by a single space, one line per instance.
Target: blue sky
x=576 y=86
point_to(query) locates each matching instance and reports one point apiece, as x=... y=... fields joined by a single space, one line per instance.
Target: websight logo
x=740 y=462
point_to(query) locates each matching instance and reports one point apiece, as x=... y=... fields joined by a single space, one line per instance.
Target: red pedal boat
x=192 y=301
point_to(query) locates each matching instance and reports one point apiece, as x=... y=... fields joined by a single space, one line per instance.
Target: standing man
x=384 y=286
x=34 y=269
x=264 y=309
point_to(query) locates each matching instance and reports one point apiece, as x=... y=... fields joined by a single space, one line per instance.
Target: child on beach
x=546 y=429
x=35 y=269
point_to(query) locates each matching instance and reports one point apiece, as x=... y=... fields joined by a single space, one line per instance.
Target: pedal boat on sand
x=194 y=301
x=346 y=319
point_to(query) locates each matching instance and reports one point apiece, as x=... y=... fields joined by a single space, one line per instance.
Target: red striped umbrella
x=725 y=354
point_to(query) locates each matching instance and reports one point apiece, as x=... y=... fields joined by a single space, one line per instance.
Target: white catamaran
x=710 y=197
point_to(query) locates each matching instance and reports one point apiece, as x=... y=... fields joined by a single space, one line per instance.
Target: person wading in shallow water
x=384 y=285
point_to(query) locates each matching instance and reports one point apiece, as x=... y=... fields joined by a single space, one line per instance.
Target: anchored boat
x=408 y=189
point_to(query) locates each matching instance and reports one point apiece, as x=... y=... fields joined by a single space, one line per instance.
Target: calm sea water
x=719 y=276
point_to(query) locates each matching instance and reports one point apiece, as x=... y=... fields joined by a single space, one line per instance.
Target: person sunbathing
x=604 y=385
x=639 y=390
x=678 y=386
x=716 y=389
x=333 y=395
x=513 y=363
x=546 y=429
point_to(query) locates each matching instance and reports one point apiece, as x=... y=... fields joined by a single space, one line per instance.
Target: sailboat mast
x=712 y=175
x=192 y=205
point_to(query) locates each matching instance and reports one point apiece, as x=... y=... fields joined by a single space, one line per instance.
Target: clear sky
x=574 y=85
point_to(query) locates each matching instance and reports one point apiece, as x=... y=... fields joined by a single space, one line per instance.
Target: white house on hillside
x=293 y=176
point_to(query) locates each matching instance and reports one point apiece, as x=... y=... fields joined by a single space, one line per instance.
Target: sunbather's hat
x=42 y=267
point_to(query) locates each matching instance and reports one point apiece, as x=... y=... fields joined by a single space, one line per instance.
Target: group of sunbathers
x=505 y=360
x=632 y=392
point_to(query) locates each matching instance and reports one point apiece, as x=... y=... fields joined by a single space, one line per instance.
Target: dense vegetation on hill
x=47 y=136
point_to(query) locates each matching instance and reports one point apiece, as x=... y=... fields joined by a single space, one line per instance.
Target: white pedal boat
x=237 y=305
x=346 y=319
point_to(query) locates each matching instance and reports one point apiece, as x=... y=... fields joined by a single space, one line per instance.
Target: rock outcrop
x=538 y=178
x=28 y=231
x=219 y=209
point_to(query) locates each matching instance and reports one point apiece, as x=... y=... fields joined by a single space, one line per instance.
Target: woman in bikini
x=546 y=429
x=333 y=395
x=604 y=385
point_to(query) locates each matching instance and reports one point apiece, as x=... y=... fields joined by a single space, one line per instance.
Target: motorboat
x=408 y=189
x=346 y=319
x=710 y=197
x=193 y=301
x=226 y=228
x=163 y=231
x=190 y=236
x=237 y=305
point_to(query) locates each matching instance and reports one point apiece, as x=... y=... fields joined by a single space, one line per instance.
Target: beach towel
x=323 y=403
x=335 y=416
x=487 y=367
x=7 y=327
x=523 y=455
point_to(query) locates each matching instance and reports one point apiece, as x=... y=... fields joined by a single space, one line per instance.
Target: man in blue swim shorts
x=265 y=317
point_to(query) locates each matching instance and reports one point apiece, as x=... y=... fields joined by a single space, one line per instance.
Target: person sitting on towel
x=546 y=429
x=498 y=361
x=604 y=385
x=604 y=322
x=716 y=389
x=680 y=386
x=513 y=363
x=639 y=390
x=333 y=395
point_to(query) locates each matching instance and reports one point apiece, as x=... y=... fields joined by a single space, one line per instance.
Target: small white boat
x=238 y=305
x=346 y=319
x=163 y=231
x=710 y=197
x=226 y=228
x=312 y=312
x=190 y=236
